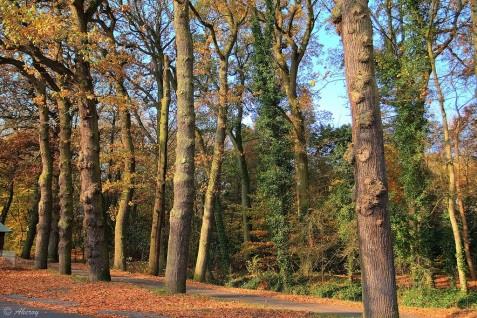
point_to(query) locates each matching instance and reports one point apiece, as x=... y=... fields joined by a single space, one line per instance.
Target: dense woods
x=200 y=139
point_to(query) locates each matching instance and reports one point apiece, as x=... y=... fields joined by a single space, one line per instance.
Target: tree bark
x=94 y=219
x=450 y=172
x=376 y=252
x=126 y=195
x=184 y=192
x=460 y=204
x=214 y=174
x=55 y=217
x=32 y=222
x=45 y=183
x=159 y=211
x=66 y=188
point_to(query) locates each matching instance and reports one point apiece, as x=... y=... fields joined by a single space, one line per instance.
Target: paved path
x=316 y=310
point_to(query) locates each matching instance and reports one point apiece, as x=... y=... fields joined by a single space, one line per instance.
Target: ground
x=23 y=291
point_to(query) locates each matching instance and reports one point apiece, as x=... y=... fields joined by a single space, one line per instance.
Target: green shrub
x=350 y=291
x=343 y=290
x=438 y=298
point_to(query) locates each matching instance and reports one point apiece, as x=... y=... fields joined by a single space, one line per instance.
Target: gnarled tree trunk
x=45 y=183
x=181 y=214
x=94 y=219
x=376 y=252
x=159 y=211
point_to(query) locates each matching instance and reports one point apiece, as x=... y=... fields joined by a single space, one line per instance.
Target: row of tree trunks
x=159 y=210
x=184 y=193
x=376 y=253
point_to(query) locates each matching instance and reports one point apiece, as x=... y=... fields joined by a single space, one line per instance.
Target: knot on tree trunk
x=370 y=196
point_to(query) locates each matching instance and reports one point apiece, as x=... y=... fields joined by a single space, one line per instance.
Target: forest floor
x=24 y=290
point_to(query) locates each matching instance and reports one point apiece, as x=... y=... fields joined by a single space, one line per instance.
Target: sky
x=332 y=91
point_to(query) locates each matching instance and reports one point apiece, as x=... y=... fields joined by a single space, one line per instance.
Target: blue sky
x=333 y=94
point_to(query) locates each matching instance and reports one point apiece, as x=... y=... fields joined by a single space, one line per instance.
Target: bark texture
x=159 y=211
x=55 y=217
x=181 y=214
x=32 y=222
x=473 y=6
x=376 y=253
x=66 y=188
x=91 y=199
x=45 y=183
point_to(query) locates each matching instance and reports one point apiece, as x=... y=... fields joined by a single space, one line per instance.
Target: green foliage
x=339 y=290
x=275 y=165
x=439 y=298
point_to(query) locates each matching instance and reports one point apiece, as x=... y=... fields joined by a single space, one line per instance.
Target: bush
x=338 y=290
x=439 y=298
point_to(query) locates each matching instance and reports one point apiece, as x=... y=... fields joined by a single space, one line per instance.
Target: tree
x=94 y=221
x=181 y=214
x=289 y=49
x=353 y=21
x=234 y=19
x=274 y=182
x=159 y=210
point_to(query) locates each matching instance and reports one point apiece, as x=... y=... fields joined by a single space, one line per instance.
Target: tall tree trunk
x=32 y=222
x=376 y=252
x=450 y=172
x=8 y=203
x=221 y=235
x=94 y=219
x=126 y=195
x=183 y=208
x=301 y=157
x=55 y=217
x=214 y=174
x=460 y=204
x=66 y=188
x=45 y=183
x=159 y=211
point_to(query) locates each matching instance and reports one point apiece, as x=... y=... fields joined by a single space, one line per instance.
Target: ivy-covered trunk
x=374 y=229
